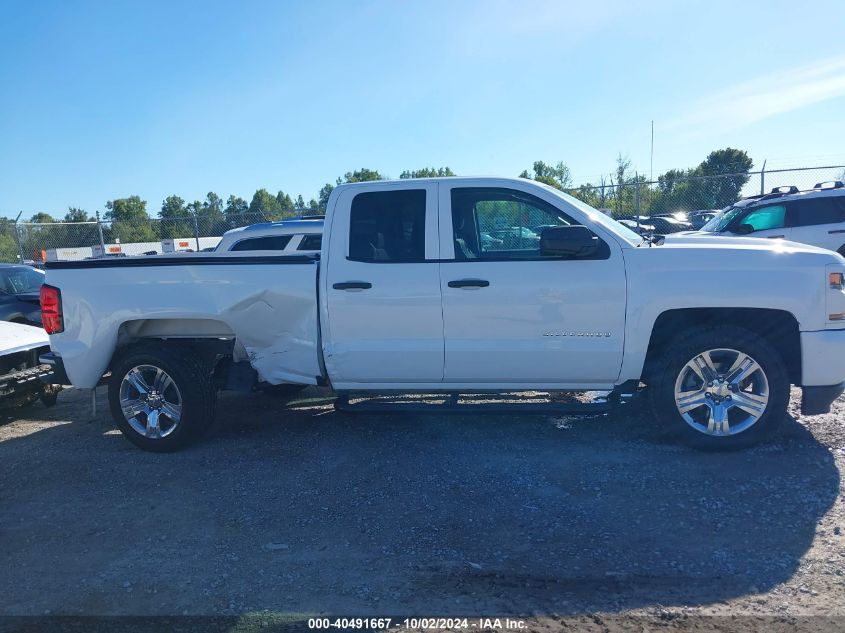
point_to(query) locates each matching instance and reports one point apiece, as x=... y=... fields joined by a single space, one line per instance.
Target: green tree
x=80 y=230
x=263 y=207
x=715 y=183
x=299 y=205
x=42 y=218
x=210 y=217
x=731 y=166
x=557 y=176
x=361 y=175
x=286 y=206
x=325 y=192
x=75 y=214
x=235 y=211
x=8 y=243
x=129 y=221
x=427 y=172
x=175 y=222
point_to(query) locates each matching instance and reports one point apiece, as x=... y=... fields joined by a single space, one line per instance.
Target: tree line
x=623 y=191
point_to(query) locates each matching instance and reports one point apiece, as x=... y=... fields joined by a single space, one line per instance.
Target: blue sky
x=100 y=100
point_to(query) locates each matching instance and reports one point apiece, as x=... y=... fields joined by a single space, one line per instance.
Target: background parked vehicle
x=815 y=216
x=516 y=237
x=640 y=227
x=667 y=223
x=20 y=368
x=699 y=218
x=19 y=286
x=297 y=235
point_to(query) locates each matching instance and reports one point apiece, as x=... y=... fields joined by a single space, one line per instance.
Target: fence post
x=197 y=233
x=763 y=179
x=100 y=232
x=18 y=238
x=638 y=201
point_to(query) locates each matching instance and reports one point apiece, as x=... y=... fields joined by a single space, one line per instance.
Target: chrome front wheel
x=722 y=392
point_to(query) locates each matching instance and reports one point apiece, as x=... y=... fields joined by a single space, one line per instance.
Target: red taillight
x=51 y=309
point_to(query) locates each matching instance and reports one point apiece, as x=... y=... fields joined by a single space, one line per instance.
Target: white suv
x=815 y=217
x=297 y=235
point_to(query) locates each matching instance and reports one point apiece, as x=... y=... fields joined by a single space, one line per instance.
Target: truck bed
x=266 y=302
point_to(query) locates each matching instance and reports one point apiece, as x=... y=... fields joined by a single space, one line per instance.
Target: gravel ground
x=292 y=508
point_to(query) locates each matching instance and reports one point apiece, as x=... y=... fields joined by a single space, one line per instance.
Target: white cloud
x=757 y=99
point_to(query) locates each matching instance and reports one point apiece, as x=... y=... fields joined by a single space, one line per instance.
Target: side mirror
x=743 y=229
x=568 y=241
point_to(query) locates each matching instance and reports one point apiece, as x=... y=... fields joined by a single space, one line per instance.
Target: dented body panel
x=267 y=305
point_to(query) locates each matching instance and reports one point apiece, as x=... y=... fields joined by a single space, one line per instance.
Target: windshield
x=600 y=218
x=721 y=220
x=18 y=281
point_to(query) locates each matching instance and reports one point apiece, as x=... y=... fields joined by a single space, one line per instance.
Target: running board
x=369 y=403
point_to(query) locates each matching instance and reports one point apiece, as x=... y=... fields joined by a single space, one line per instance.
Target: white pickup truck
x=432 y=286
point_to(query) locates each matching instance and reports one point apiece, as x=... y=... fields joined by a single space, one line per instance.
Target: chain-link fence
x=685 y=201
x=665 y=205
x=38 y=242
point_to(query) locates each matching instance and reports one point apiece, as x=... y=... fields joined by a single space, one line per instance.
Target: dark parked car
x=699 y=218
x=19 y=287
x=665 y=223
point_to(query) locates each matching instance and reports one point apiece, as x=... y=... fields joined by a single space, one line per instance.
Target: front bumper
x=817 y=400
x=822 y=358
x=822 y=369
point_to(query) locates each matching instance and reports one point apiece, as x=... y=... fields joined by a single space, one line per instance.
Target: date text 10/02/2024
x=381 y=624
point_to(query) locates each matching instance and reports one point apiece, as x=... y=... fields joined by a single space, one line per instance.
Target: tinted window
x=310 y=243
x=492 y=223
x=268 y=243
x=21 y=280
x=766 y=218
x=829 y=210
x=388 y=226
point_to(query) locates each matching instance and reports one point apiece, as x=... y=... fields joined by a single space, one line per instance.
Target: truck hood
x=695 y=240
x=17 y=337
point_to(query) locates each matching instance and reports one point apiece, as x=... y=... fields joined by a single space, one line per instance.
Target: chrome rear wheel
x=150 y=401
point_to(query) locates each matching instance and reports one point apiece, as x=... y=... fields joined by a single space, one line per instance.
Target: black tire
x=192 y=376
x=687 y=346
x=283 y=391
x=841 y=250
x=50 y=394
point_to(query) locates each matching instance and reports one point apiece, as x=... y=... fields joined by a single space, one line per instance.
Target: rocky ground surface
x=290 y=508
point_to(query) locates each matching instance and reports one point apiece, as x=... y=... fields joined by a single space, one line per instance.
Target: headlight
x=835 y=295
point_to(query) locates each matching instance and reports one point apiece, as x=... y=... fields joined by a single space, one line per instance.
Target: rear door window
x=310 y=243
x=388 y=226
x=266 y=243
x=813 y=211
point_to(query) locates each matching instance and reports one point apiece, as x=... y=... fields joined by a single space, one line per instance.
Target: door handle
x=776 y=237
x=352 y=285
x=835 y=232
x=469 y=283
